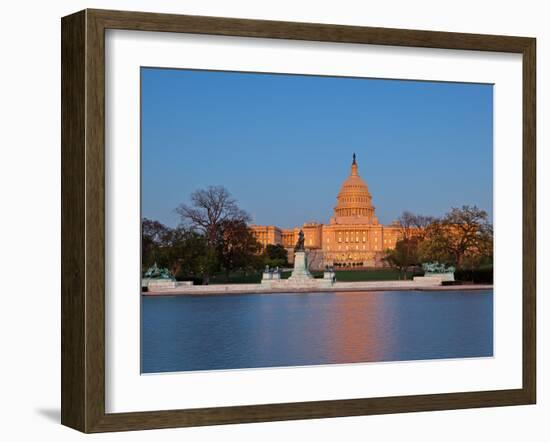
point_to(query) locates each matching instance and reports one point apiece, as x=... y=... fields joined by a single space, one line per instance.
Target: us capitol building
x=353 y=238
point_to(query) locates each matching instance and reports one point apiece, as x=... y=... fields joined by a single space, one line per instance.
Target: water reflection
x=245 y=331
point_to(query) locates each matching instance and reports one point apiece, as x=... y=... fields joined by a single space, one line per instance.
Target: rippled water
x=183 y=333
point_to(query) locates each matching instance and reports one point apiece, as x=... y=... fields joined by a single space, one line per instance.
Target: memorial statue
x=435 y=268
x=300 y=245
x=156 y=272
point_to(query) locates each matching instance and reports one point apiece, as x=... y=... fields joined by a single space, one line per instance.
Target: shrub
x=197 y=280
x=451 y=282
x=477 y=276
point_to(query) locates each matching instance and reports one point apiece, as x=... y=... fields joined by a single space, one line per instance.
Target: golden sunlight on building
x=353 y=238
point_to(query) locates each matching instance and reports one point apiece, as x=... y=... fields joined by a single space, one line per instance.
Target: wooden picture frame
x=83 y=220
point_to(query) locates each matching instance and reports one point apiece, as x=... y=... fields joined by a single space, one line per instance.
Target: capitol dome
x=354 y=204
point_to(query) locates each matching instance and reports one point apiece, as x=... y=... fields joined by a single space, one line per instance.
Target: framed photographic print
x=271 y=220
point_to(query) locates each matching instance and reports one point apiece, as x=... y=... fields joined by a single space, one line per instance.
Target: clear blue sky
x=282 y=144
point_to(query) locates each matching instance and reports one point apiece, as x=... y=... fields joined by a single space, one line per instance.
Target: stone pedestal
x=160 y=284
x=329 y=276
x=300 y=271
x=449 y=276
x=436 y=278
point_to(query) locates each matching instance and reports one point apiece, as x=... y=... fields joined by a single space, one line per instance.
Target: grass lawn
x=341 y=275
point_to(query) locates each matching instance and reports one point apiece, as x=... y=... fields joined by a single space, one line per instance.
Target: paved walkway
x=316 y=285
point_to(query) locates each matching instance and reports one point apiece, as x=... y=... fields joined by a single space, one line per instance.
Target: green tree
x=185 y=251
x=154 y=238
x=207 y=264
x=403 y=256
x=275 y=255
x=237 y=247
x=176 y=249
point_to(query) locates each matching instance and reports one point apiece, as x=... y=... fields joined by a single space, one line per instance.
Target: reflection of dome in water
x=354 y=204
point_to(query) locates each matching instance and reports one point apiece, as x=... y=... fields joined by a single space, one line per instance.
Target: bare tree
x=413 y=229
x=414 y=226
x=209 y=209
x=463 y=232
x=406 y=224
x=421 y=223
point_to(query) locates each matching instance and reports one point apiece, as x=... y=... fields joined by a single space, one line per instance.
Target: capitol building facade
x=353 y=237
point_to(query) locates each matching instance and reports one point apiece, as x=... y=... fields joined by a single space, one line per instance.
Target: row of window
x=354 y=200
x=351 y=240
x=352 y=248
x=352 y=212
x=350 y=237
